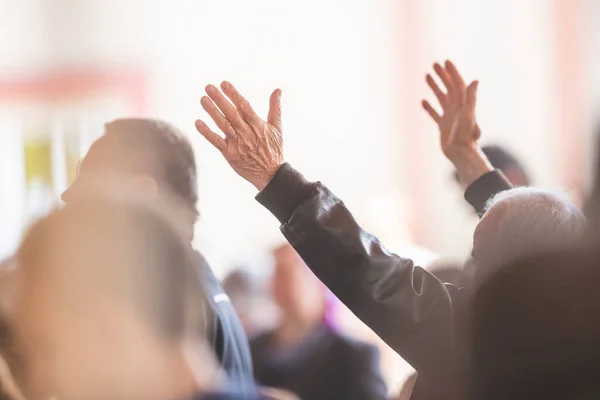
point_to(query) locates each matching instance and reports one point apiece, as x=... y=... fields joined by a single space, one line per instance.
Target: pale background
x=352 y=76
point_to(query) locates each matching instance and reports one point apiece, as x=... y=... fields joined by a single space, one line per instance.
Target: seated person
x=249 y=294
x=107 y=307
x=304 y=355
x=410 y=309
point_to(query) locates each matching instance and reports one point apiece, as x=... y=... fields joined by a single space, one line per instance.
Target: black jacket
x=326 y=365
x=226 y=334
x=411 y=310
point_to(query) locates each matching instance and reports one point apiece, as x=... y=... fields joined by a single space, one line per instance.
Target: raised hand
x=457 y=124
x=458 y=127
x=253 y=147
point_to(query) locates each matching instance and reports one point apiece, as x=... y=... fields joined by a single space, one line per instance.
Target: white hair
x=529 y=220
x=527 y=207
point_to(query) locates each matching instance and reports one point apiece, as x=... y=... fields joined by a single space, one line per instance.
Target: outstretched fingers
x=241 y=104
x=211 y=136
x=455 y=75
x=458 y=82
x=472 y=93
x=228 y=109
x=439 y=94
x=431 y=111
x=274 y=117
x=446 y=79
x=222 y=122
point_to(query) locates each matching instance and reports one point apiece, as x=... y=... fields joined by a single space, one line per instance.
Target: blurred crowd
x=106 y=298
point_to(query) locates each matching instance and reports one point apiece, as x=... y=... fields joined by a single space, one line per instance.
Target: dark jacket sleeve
x=405 y=305
x=486 y=187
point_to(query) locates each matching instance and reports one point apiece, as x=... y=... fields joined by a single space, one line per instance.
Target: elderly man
x=405 y=305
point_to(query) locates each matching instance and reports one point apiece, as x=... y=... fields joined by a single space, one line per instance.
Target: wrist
x=471 y=164
x=262 y=180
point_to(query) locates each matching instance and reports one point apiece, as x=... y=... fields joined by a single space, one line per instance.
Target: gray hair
x=529 y=221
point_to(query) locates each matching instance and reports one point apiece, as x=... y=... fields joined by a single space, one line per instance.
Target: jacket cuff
x=486 y=187
x=285 y=192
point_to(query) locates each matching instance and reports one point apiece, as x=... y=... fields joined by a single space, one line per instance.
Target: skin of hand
x=252 y=147
x=459 y=131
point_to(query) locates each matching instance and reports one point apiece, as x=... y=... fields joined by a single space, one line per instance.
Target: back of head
x=535 y=329
x=139 y=146
x=521 y=222
x=101 y=281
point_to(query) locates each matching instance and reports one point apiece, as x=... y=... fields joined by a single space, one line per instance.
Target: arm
x=459 y=133
x=405 y=305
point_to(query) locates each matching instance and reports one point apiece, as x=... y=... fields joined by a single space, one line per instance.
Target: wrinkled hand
x=458 y=127
x=253 y=147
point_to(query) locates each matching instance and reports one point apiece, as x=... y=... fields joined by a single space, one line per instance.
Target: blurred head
x=104 y=303
x=149 y=157
x=296 y=290
x=250 y=297
x=502 y=159
x=535 y=330
x=520 y=222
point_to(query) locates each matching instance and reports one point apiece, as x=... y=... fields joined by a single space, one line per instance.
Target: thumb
x=472 y=93
x=274 y=117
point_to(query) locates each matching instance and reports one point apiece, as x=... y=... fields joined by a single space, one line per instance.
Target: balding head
x=523 y=221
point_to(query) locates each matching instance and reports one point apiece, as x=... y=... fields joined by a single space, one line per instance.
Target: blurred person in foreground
x=249 y=294
x=535 y=330
x=153 y=160
x=417 y=315
x=9 y=390
x=107 y=308
x=304 y=355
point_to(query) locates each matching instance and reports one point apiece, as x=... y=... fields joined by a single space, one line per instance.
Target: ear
x=146 y=186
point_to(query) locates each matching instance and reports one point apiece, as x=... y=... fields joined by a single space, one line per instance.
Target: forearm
x=405 y=305
x=471 y=164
